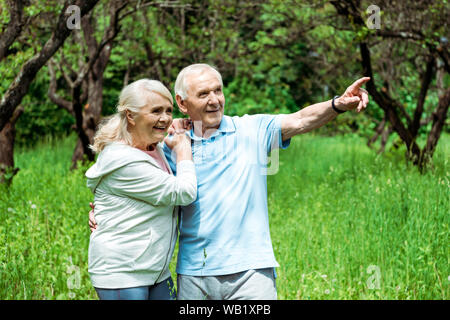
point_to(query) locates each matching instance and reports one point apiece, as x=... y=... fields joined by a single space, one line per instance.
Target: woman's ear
x=130 y=117
x=181 y=104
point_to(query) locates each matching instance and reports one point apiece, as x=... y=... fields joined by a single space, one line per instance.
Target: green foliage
x=41 y=117
x=246 y=98
x=338 y=212
x=43 y=226
x=274 y=56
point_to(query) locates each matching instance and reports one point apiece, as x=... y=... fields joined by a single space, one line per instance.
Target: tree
x=422 y=25
x=19 y=87
x=14 y=28
x=7 y=136
x=86 y=83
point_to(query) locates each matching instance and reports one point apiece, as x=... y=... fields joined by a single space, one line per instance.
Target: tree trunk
x=7 y=139
x=84 y=139
x=99 y=55
x=439 y=117
x=92 y=113
x=389 y=106
x=427 y=77
x=378 y=132
x=394 y=111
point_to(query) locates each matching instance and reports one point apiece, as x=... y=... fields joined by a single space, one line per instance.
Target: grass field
x=345 y=224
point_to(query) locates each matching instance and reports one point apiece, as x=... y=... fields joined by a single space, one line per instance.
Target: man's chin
x=213 y=123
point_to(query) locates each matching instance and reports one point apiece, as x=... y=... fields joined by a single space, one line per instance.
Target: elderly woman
x=136 y=196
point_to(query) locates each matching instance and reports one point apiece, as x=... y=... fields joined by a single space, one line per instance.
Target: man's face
x=205 y=101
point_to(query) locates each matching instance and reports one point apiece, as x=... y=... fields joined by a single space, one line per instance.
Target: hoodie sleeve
x=143 y=181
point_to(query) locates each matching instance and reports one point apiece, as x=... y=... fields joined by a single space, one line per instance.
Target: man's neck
x=203 y=132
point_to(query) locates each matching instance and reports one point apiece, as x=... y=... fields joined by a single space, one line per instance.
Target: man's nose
x=213 y=99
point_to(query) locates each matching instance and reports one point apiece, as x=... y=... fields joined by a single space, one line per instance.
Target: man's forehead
x=205 y=79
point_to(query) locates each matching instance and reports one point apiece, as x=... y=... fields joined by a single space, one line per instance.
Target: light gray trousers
x=256 y=284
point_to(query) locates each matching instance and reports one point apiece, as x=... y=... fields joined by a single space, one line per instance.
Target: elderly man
x=225 y=250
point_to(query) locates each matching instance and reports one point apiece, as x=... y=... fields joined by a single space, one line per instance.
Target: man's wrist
x=333 y=105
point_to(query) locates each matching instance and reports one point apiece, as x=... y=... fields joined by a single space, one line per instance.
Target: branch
x=14 y=29
x=445 y=56
x=17 y=113
x=65 y=75
x=439 y=117
x=54 y=97
x=407 y=35
x=96 y=50
x=426 y=80
x=441 y=49
x=19 y=87
x=171 y=4
x=379 y=129
x=384 y=137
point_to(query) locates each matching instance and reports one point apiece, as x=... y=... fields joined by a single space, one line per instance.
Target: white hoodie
x=136 y=214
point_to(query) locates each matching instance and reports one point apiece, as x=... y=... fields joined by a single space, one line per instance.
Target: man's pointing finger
x=358 y=83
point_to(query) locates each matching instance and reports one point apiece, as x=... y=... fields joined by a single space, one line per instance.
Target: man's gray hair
x=181 y=87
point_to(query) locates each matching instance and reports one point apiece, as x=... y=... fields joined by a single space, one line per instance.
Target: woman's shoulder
x=115 y=156
x=122 y=151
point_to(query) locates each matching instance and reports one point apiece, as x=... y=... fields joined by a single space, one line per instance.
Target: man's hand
x=179 y=126
x=319 y=114
x=92 y=223
x=354 y=97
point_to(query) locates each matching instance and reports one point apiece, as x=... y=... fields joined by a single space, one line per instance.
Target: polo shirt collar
x=226 y=125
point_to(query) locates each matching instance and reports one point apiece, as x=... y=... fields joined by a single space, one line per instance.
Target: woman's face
x=153 y=120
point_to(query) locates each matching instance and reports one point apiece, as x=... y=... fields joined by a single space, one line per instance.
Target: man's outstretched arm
x=316 y=115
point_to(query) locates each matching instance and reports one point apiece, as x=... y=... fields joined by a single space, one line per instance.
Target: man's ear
x=130 y=117
x=181 y=104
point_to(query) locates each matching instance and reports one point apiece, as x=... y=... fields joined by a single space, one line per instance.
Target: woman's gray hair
x=181 y=87
x=132 y=98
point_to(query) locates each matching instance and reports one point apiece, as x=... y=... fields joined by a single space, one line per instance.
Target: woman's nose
x=165 y=117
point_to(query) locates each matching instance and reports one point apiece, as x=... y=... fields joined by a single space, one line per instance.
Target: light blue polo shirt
x=226 y=229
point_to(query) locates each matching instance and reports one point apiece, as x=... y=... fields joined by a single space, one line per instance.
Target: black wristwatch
x=334 y=107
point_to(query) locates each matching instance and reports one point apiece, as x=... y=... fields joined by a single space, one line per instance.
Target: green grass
x=342 y=218
x=345 y=224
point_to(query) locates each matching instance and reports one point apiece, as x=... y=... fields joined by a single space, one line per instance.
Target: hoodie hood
x=113 y=157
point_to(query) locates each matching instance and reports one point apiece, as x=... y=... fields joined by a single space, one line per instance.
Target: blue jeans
x=164 y=290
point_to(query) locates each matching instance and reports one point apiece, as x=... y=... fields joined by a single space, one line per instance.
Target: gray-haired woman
x=136 y=196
